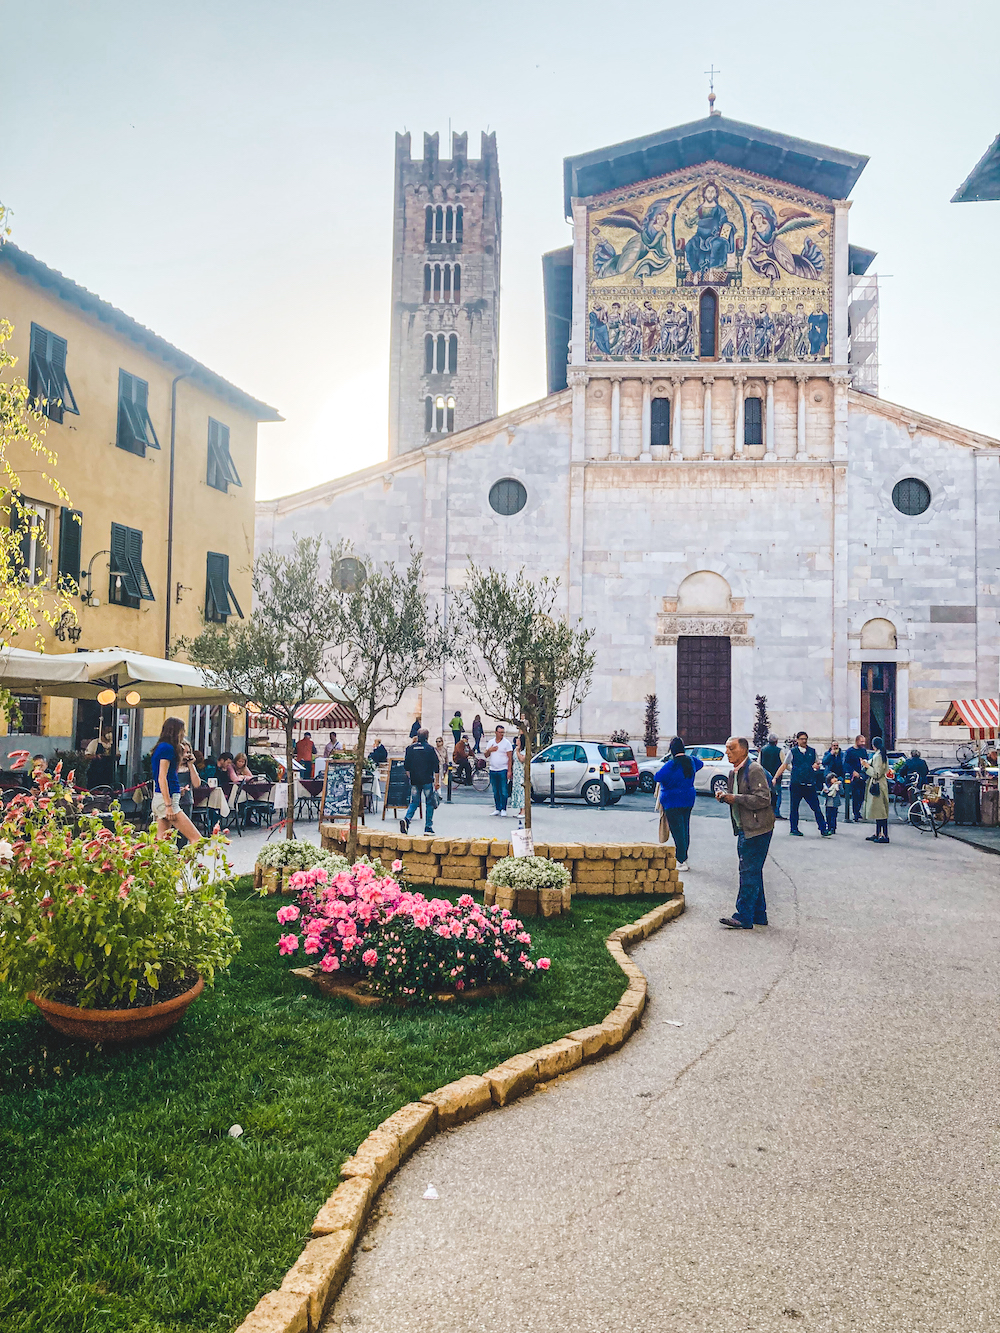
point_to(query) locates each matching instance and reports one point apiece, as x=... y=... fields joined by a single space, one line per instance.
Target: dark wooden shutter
x=704 y=689
x=753 y=431
x=660 y=422
x=70 y=545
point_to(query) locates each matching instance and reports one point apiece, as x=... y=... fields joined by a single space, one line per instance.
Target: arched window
x=456 y=284
x=450 y=418
x=428 y=353
x=349 y=573
x=439 y=224
x=753 y=425
x=449 y=223
x=439 y=413
x=437 y=283
x=660 y=421
x=440 y=353
x=427 y=282
x=428 y=224
x=453 y=354
x=446 y=286
x=708 y=309
x=428 y=413
x=459 y=216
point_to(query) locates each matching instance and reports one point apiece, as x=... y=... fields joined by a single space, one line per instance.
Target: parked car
x=624 y=757
x=580 y=767
x=712 y=778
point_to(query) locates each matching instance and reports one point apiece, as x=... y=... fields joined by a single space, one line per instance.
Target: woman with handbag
x=676 y=797
x=877 y=795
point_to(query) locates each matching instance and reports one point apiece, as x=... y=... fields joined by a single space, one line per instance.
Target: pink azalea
x=289 y=913
x=369 y=958
x=544 y=964
x=330 y=963
x=313 y=944
x=288 y=944
x=397 y=866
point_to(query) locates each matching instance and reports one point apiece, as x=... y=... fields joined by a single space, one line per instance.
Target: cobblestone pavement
x=815 y=1146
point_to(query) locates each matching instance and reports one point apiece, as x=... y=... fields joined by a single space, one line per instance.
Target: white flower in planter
x=6 y=850
x=528 y=872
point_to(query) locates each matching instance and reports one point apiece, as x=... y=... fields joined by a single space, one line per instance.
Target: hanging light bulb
x=253 y=708
x=106 y=697
x=133 y=698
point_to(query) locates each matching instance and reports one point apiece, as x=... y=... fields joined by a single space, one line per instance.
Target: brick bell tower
x=445 y=292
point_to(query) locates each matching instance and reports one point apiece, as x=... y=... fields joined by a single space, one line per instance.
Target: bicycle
x=965 y=753
x=480 y=774
x=927 y=813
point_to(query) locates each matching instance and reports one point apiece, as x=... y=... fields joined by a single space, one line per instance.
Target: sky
x=223 y=171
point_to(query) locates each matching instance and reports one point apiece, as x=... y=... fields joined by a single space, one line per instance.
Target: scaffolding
x=862 y=332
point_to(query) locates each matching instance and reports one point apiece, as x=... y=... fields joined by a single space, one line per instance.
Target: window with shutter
x=221 y=470
x=129 y=581
x=220 y=600
x=660 y=421
x=452 y=353
x=753 y=426
x=70 y=546
x=428 y=353
x=32 y=521
x=135 y=429
x=48 y=384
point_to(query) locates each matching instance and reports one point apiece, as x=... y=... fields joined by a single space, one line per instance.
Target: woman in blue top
x=676 y=781
x=169 y=816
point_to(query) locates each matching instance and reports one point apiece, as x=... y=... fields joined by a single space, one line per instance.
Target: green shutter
x=216 y=584
x=70 y=545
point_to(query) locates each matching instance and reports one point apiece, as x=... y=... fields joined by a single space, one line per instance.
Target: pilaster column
x=800 y=421
x=616 y=415
x=706 y=448
x=739 y=383
x=676 y=425
x=647 y=429
x=577 y=380
x=841 y=385
x=769 y=419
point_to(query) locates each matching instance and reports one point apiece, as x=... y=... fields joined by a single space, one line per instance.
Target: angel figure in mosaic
x=646 y=253
x=768 y=253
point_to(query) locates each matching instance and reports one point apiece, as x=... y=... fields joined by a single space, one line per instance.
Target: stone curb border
x=315 y=1279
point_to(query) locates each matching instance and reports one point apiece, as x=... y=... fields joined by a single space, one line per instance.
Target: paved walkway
x=816 y=1143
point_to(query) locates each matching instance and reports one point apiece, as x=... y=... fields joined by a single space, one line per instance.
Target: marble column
x=676 y=424
x=769 y=419
x=578 y=383
x=706 y=448
x=800 y=421
x=647 y=397
x=739 y=382
x=616 y=416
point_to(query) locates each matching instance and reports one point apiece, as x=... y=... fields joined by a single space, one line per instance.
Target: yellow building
x=158 y=456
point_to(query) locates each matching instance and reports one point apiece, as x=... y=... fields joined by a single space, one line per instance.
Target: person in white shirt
x=499 y=758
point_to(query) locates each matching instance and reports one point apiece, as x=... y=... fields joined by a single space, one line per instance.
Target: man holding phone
x=749 y=801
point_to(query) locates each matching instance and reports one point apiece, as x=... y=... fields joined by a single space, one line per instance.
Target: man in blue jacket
x=804 y=767
x=854 y=776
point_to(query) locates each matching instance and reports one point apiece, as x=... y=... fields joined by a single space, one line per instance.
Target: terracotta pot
x=116 y=1025
x=650 y=751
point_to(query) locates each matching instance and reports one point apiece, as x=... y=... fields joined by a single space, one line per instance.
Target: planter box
x=120 y=1026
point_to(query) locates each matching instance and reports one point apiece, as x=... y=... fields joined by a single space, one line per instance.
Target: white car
x=713 y=777
x=579 y=770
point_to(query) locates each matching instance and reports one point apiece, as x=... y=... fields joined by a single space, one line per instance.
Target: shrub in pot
x=110 y=932
x=364 y=926
x=530 y=885
x=280 y=859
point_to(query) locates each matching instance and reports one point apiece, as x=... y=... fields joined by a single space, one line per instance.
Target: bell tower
x=445 y=291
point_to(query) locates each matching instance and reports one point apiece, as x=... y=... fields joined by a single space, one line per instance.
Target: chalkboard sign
x=338 y=782
x=397 y=788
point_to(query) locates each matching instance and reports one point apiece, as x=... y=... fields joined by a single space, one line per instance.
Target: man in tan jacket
x=749 y=801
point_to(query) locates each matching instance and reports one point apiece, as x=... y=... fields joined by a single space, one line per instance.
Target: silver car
x=579 y=770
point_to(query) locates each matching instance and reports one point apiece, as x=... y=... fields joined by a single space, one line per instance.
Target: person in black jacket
x=421 y=764
x=379 y=754
x=855 y=756
x=804 y=767
x=915 y=771
x=770 y=762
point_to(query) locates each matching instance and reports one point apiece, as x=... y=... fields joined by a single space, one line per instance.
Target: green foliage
x=762 y=723
x=263 y=766
x=651 y=729
x=529 y=872
x=76 y=762
x=95 y=912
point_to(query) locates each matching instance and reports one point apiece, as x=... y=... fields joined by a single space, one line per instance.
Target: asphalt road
x=815 y=1147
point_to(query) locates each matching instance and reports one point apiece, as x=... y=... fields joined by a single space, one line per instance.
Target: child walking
x=831 y=794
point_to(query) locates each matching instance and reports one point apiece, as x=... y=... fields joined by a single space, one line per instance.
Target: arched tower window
x=428 y=224
x=449 y=223
x=428 y=413
x=660 y=421
x=439 y=223
x=753 y=425
x=446 y=286
x=708 y=311
x=450 y=415
x=439 y=411
x=440 y=353
x=427 y=282
x=459 y=216
x=437 y=283
x=453 y=354
x=428 y=353
x=456 y=284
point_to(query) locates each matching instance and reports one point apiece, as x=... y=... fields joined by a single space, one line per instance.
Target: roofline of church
x=920 y=421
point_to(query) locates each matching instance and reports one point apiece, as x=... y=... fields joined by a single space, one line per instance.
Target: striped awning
x=981 y=716
x=328 y=713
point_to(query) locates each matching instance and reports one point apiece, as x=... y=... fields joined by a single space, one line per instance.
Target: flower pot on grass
x=118 y=1026
x=530 y=886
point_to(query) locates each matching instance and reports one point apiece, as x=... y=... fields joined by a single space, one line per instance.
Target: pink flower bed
x=369 y=928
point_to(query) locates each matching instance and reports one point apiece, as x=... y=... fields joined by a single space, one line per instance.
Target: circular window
x=911 y=496
x=350 y=573
x=508 y=496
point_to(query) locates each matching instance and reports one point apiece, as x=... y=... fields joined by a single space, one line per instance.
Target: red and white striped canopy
x=981 y=716
x=327 y=712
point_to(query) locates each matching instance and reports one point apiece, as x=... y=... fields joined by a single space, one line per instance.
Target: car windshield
x=619 y=754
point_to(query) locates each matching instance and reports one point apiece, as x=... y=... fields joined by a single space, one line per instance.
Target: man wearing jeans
x=749 y=801
x=855 y=757
x=804 y=765
x=500 y=758
x=421 y=763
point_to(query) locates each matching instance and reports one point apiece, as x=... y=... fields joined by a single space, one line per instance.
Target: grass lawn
x=124 y=1205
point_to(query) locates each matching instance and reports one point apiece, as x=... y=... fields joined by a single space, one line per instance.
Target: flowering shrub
x=529 y=872
x=289 y=853
x=366 y=926
x=97 y=915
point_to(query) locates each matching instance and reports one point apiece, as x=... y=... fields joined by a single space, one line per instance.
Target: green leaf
x=78 y=961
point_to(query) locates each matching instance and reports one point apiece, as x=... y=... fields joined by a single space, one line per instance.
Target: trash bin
x=966 y=800
x=988 y=806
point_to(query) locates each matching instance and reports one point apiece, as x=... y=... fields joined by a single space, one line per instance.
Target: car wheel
x=646 y=783
x=592 y=793
x=719 y=784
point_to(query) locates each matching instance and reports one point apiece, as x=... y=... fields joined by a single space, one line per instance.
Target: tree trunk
x=527 y=776
x=289 y=778
x=359 y=773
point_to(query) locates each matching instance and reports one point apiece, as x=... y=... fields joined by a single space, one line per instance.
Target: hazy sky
x=222 y=170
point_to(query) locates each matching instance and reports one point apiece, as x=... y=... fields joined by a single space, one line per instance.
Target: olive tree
x=524 y=663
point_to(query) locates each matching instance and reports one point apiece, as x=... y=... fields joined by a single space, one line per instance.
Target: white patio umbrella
x=156 y=681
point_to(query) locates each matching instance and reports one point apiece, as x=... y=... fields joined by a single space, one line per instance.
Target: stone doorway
x=704 y=688
x=878 y=701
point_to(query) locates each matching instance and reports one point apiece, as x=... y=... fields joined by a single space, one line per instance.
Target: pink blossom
x=289 y=913
x=369 y=958
x=330 y=963
x=544 y=964
x=313 y=944
x=288 y=944
x=397 y=866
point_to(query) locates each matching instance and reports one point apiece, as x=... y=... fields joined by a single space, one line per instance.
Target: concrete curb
x=315 y=1279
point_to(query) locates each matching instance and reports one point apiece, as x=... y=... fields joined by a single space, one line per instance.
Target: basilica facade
x=712 y=476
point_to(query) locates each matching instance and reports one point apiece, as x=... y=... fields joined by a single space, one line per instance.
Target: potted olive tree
x=111 y=933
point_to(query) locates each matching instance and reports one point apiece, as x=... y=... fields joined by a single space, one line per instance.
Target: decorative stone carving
x=670 y=626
